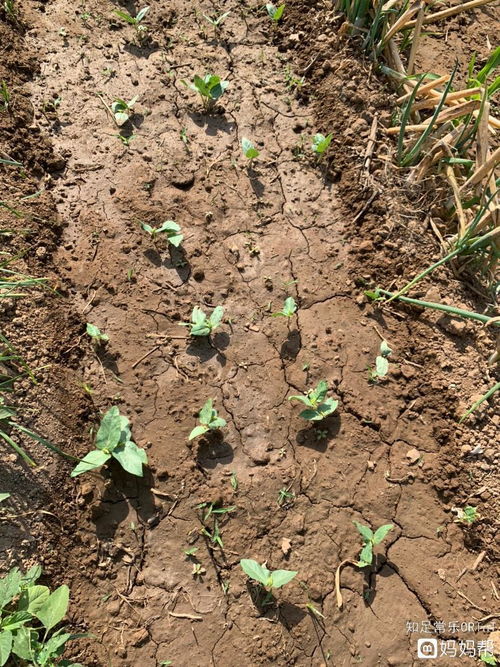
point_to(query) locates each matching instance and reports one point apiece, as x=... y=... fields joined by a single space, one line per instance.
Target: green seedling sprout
x=210 y=88
x=126 y=141
x=122 y=110
x=234 y=481
x=467 y=515
x=321 y=143
x=200 y=324
x=114 y=439
x=381 y=363
x=488 y=659
x=95 y=333
x=136 y=20
x=5 y=96
x=286 y=497
x=370 y=539
x=265 y=577
x=29 y=612
x=4 y=496
x=216 y=21
x=289 y=308
x=249 y=150
x=170 y=229
x=275 y=12
x=318 y=406
x=209 y=421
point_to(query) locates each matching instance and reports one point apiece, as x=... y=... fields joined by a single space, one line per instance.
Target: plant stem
x=484 y=397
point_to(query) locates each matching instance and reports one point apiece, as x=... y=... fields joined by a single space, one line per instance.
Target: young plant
x=275 y=12
x=4 y=96
x=318 y=406
x=321 y=143
x=262 y=575
x=488 y=659
x=136 y=21
x=289 y=308
x=249 y=150
x=467 y=515
x=370 y=539
x=114 y=439
x=200 y=324
x=216 y=21
x=210 y=88
x=381 y=363
x=209 y=421
x=170 y=229
x=97 y=336
x=122 y=110
x=29 y=613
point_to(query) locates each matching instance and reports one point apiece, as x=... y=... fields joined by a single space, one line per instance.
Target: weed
x=321 y=144
x=169 y=228
x=275 y=12
x=97 y=336
x=114 y=439
x=4 y=96
x=381 y=364
x=315 y=612
x=216 y=21
x=268 y=579
x=211 y=510
x=136 y=21
x=292 y=81
x=198 y=570
x=318 y=406
x=488 y=659
x=467 y=515
x=29 y=613
x=200 y=324
x=234 y=481
x=289 y=308
x=184 y=137
x=190 y=552
x=122 y=110
x=10 y=9
x=210 y=88
x=286 y=498
x=125 y=140
x=370 y=539
x=209 y=421
x=249 y=150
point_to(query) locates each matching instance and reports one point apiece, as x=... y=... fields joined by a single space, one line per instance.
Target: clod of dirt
x=413 y=456
x=286 y=546
x=495 y=639
x=259 y=453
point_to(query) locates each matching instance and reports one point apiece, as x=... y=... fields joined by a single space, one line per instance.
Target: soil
x=254 y=235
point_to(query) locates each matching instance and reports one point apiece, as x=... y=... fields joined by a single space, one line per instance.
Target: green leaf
x=55 y=607
x=206 y=412
x=197 y=431
x=141 y=14
x=4 y=496
x=147 y=228
x=95 y=332
x=198 y=316
x=110 y=429
x=366 y=555
x=53 y=648
x=5 y=646
x=218 y=422
x=33 y=598
x=15 y=620
x=121 y=118
x=366 y=532
x=22 y=643
x=125 y=16
x=311 y=415
x=93 y=459
x=255 y=571
x=200 y=329
x=249 y=149
x=303 y=399
x=281 y=577
x=321 y=143
x=327 y=407
x=385 y=350
x=200 y=86
x=9 y=586
x=216 y=316
x=488 y=659
x=319 y=393
x=381 y=532
x=130 y=457
x=32 y=575
x=381 y=366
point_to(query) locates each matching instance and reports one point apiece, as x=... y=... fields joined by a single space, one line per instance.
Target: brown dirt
x=252 y=237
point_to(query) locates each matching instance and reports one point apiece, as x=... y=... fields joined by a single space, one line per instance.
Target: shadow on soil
x=318 y=436
x=205 y=349
x=213 y=451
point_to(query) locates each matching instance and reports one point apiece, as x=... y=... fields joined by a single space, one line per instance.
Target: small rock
x=259 y=453
x=140 y=637
x=413 y=455
x=113 y=608
x=286 y=546
x=371 y=465
x=365 y=246
x=465 y=449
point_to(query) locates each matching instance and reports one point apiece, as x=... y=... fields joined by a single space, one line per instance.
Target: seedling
x=315 y=612
x=488 y=659
x=29 y=613
x=114 y=439
x=200 y=324
x=318 y=406
x=381 y=363
x=210 y=88
x=4 y=496
x=169 y=228
x=122 y=110
x=4 y=95
x=184 y=137
x=136 y=21
x=321 y=143
x=289 y=308
x=216 y=21
x=286 y=497
x=97 y=336
x=275 y=12
x=10 y=8
x=370 y=539
x=198 y=570
x=467 y=515
x=190 y=552
x=234 y=481
x=249 y=150
x=267 y=578
x=209 y=421
x=126 y=141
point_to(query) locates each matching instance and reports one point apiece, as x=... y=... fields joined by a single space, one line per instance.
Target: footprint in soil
x=213 y=124
x=205 y=349
x=213 y=451
x=318 y=436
